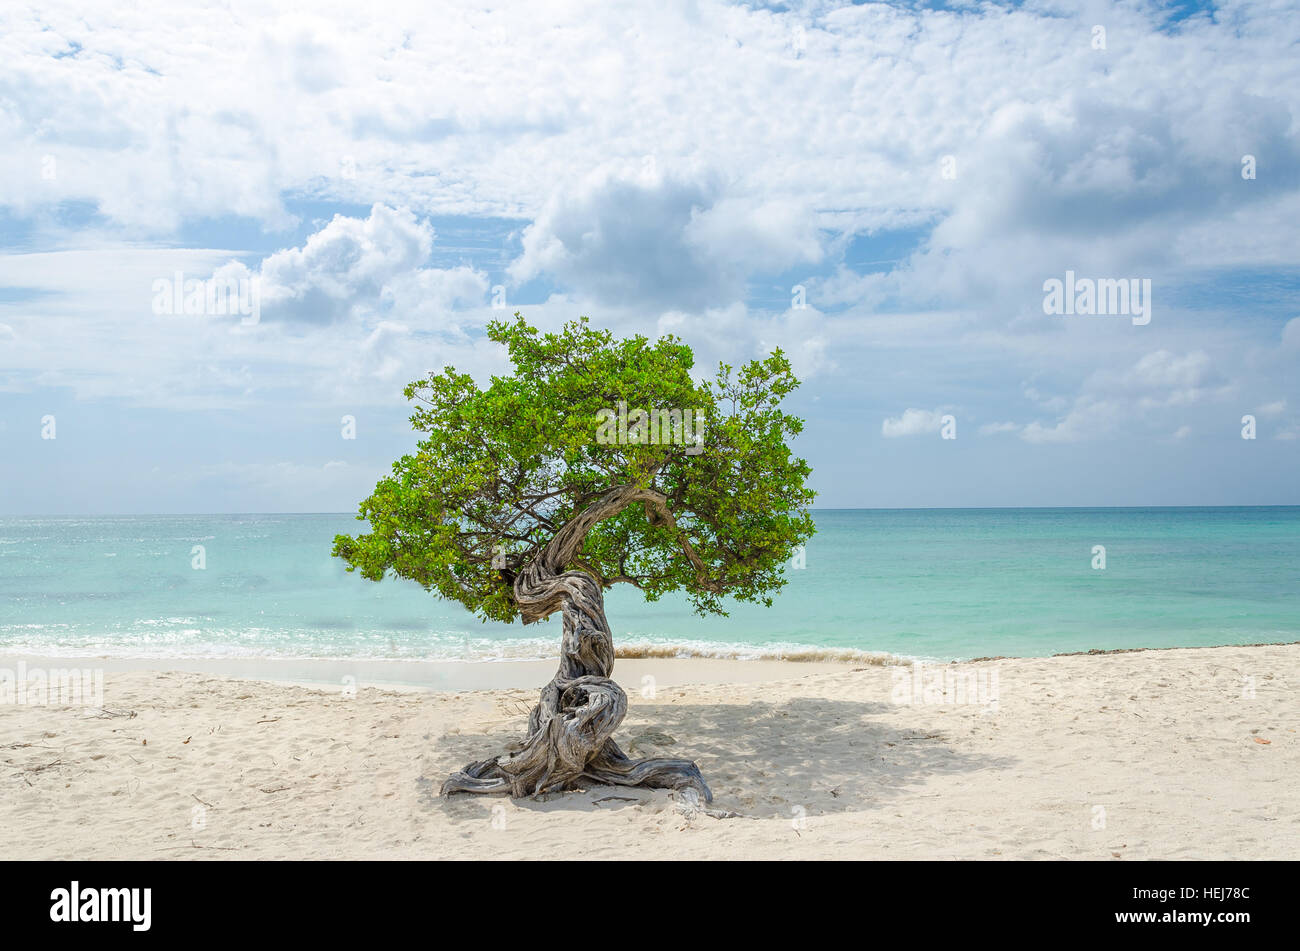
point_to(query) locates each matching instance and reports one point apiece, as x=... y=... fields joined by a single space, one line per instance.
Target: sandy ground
x=1180 y=754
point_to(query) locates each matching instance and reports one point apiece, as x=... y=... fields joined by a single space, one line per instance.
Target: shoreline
x=433 y=676
x=328 y=673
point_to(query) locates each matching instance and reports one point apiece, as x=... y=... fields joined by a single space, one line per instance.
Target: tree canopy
x=721 y=501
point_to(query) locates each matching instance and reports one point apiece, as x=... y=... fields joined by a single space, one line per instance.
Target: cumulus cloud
x=360 y=289
x=1165 y=369
x=913 y=422
x=356 y=264
x=662 y=243
x=1090 y=417
x=1136 y=396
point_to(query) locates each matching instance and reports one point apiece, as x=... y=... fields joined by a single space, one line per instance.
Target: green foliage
x=509 y=465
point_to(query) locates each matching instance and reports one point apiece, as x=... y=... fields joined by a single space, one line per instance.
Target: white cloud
x=1089 y=418
x=354 y=263
x=1139 y=396
x=913 y=422
x=465 y=110
x=357 y=291
x=993 y=429
x=662 y=242
x=1165 y=369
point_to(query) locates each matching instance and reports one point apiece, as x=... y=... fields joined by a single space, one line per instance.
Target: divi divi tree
x=598 y=461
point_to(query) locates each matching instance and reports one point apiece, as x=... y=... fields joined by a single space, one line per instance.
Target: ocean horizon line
x=856 y=508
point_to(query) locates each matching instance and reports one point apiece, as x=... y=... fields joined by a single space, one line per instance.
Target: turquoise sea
x=938 y=584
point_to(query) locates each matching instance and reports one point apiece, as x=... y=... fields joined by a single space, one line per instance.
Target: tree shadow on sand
x=761 y=760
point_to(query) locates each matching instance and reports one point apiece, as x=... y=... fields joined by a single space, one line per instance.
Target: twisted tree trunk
x=569 y=742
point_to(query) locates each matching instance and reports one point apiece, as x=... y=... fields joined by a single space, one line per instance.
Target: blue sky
x=386 y=177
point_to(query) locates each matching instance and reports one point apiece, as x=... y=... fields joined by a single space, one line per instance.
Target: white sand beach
x=1169 y=754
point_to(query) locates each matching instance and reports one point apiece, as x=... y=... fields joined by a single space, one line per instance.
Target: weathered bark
x=569 y=742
